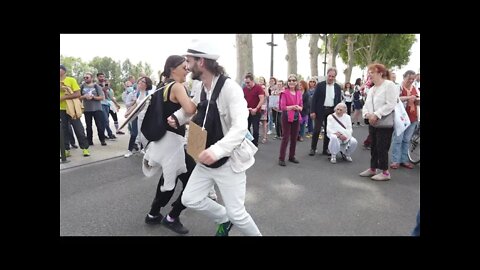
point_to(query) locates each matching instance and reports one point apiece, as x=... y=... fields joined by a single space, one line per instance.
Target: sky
x=155 y=48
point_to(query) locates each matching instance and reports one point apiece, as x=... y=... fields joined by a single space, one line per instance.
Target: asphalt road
x=313 y=198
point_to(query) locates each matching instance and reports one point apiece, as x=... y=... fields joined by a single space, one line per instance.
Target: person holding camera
x=105 y=104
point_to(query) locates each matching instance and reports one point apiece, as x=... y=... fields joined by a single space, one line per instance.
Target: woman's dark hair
x=172 y=62
x=358 y=81
x=148 y=81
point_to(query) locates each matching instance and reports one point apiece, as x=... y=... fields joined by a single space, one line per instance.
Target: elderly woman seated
x=339 y=130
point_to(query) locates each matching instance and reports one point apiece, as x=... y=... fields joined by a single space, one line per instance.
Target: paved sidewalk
x=114 y=148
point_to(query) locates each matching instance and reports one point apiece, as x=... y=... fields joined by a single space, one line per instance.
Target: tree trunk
x=351 y=39
x=244 y=56
x=291 y=56
x=334 y=47
x=314 y=52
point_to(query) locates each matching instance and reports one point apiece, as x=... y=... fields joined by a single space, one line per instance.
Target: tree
x=75 y=67
x=351 y=39
x=388 y=49
x=335 y=42
x=244 y=55
x=126 y=69
x=291 y=56
x=314 y=52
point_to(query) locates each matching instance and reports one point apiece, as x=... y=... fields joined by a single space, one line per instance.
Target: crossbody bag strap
x=341 y=124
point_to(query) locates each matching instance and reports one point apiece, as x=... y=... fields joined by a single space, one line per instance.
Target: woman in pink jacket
x=291 y=104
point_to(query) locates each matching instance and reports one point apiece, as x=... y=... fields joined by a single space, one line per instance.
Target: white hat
x=200 y=48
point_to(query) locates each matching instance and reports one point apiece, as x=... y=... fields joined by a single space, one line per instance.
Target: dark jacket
x=318 y=98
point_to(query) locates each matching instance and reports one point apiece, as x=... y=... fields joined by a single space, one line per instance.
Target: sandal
x=407 y=165
x=394 y=165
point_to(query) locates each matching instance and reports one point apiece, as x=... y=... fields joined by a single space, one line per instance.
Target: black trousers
x=381 y=140
x=162 y=198
x=318 y=127
x=254 y=120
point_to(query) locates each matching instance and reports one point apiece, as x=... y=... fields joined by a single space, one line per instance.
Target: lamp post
x=271 y=44
x=325 y=59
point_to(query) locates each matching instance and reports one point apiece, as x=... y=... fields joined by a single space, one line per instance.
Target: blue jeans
x=106 y=110
x=133 y=133
x=401 y=143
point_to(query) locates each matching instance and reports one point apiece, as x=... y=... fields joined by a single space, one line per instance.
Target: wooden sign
x=197 y=139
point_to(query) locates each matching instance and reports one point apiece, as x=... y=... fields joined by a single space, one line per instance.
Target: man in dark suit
x=327 y=95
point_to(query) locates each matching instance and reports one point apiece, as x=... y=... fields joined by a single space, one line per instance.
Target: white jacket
x=167 y=156
x=382 y=98
x=333 y=126
x=233 y=111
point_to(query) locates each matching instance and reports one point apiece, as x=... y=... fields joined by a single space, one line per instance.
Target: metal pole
x=325 y=59
x=271 y=44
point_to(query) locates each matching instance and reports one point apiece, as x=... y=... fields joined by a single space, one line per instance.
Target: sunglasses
x=292 y=80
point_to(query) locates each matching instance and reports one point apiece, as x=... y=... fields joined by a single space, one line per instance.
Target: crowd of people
x=294 y=110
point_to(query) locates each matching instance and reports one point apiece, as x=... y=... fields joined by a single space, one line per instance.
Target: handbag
x=401 y=119
x=386 y=121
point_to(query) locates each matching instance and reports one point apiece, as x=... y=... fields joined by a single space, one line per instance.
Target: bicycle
x=414 y=148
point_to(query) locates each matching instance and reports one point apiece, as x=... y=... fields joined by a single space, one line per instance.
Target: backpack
x=154 y=124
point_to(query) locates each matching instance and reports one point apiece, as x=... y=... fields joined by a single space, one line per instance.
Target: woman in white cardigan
x=341 y=139
x=381 y=101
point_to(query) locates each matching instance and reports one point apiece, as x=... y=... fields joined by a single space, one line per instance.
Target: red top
x=411 y=106
x=251 y=95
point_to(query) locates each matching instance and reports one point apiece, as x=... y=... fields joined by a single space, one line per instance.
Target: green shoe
x=86 y=153
x=224 y=228
x=67 y=153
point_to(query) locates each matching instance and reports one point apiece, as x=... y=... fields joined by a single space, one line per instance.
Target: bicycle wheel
x=414 y=148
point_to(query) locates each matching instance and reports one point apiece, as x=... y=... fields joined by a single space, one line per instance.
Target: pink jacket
x=286 y=99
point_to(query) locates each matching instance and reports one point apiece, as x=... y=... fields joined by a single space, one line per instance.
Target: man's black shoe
x=153 y=220
x=326 y=153
x=282 y=163
x=103 y=143
x=74 y=146
x=90 y=143
x=175 y=225
x=312 y=152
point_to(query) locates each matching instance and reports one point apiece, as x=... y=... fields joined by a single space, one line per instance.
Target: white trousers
x=334 y=146
x=232 y=187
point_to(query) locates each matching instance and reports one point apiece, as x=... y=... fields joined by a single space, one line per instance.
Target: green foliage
x=388 y=49
x=75 y=67
x=116 y=72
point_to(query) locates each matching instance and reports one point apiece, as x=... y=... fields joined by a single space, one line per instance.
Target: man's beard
x=196 y=75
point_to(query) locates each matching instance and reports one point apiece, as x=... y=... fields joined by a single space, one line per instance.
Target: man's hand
x=207 y=157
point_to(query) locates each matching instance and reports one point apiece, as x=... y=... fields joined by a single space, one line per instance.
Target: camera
x=106 y=84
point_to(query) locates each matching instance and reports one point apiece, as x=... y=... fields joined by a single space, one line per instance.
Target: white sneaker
x=349 y=158
x=128 y=154
x=333 y=159
x=269 y=132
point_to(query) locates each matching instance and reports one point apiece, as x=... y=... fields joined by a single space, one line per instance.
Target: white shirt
x=329 y=95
